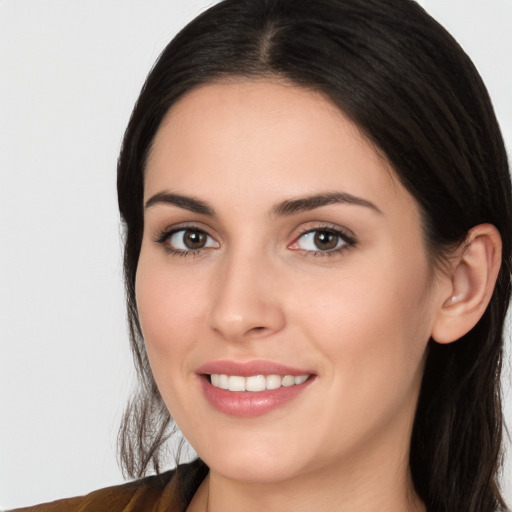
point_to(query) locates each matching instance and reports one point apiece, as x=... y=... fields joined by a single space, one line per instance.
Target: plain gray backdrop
x=70 y=72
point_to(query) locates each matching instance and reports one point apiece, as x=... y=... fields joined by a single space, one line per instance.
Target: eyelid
x=180 y=226
x=345 y=234
x=164 y=235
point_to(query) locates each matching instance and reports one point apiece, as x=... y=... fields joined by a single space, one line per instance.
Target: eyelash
x=164 y=236
x=348 y=241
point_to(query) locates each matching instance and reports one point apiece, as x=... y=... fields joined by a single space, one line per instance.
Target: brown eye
x=187 y=240
x=328 y=241
x=325 y=240
x=194 y=239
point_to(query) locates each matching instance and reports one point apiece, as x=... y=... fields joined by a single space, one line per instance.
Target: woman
x=317 y=207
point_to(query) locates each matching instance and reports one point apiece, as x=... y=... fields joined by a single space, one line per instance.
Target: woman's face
x=281 y=254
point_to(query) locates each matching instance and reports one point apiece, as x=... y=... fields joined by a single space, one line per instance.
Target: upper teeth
x=255 y=382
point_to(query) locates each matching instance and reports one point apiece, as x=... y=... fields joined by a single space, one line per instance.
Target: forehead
x=267 y=139
x=256 y=110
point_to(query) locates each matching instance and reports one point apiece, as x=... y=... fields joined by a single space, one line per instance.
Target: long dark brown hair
x=413 y=91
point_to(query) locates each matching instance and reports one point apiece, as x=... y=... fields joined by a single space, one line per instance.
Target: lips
x=253 y=388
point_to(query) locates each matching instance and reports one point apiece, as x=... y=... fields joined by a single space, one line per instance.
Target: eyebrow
x=286 y=208
x=294 y=206
x=185 y=202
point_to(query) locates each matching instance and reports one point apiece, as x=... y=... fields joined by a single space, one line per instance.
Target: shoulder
x=172 y=489
x=116 y=498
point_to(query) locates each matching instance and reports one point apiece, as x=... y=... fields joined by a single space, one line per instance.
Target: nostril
x=256 y=330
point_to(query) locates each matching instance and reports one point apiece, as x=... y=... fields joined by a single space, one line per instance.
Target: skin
x=359 y=318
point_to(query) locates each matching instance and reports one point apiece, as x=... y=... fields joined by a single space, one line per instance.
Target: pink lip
x=246 y=369
x=248 y=404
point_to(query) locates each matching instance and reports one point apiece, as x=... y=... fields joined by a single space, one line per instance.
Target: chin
x=256 y=470
x=254 y=460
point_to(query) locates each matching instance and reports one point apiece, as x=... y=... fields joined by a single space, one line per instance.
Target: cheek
x=373 y=325
x=170 y=307
x=386 y=298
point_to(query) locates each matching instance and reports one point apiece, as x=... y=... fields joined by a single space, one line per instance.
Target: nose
x=246 y=299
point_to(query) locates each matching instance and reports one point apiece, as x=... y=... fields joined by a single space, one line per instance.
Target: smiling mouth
x=252 y=389
x=255 y=383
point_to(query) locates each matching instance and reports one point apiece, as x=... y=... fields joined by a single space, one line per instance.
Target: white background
x=70 y=72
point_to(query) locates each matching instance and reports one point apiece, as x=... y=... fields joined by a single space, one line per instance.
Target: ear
x=471 y=279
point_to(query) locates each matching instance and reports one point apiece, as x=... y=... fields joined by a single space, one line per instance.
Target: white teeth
x=223 y=382
x=255 y=383
x=300 y=379
x=273 y=381
x=236 y=383
x=288 y=381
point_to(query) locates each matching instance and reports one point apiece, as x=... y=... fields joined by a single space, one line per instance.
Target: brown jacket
x=168 y=492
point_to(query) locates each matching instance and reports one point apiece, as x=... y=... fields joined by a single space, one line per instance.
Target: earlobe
x=473 y=275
